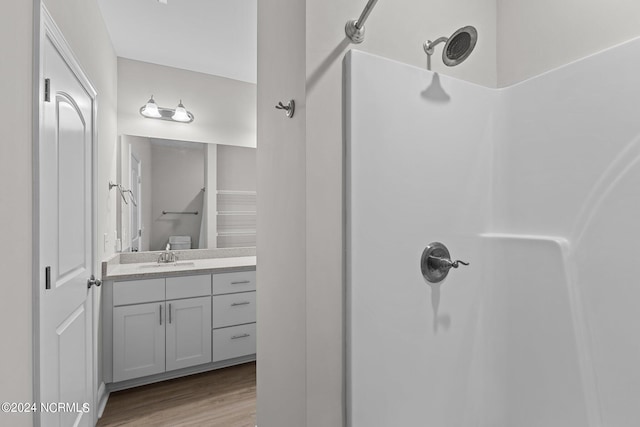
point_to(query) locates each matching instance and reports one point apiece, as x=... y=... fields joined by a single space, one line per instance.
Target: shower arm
x=355 y=27
x=430 y=45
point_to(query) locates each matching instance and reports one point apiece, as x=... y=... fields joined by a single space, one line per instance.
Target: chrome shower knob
x=436 y=262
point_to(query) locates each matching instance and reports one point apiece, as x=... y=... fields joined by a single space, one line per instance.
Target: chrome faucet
x=167 y=256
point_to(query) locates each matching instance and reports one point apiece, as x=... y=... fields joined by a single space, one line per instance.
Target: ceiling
x=216 y=37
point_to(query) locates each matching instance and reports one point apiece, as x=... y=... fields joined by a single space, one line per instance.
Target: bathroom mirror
x=184 y=195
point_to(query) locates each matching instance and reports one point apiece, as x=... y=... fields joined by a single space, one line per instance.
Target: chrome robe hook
x=290 y=108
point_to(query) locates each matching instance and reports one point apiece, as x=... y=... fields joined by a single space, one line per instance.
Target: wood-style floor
x=221 y=398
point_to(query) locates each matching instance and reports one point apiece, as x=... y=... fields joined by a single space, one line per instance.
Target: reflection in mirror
x=189 y=195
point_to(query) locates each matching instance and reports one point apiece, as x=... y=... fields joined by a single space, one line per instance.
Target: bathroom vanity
x=165 y=320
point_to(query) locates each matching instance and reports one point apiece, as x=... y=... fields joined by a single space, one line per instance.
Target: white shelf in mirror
x=237 y=233
x=236 y=218
x=236 y=212
x=237 y=192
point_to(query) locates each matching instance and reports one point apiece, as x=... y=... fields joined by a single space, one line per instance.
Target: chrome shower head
x=457 y=48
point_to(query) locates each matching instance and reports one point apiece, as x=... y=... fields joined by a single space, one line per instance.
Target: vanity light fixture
x=150 y=109
x=179 y=114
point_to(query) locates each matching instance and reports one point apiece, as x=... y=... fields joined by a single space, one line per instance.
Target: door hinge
x=47 y=277
x=47 y=90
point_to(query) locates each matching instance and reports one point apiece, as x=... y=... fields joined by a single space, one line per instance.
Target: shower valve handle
x=436 y=262
x=447 y=263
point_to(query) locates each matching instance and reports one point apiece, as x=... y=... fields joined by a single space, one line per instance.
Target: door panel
x=71 y=186
x=72 y=363
x=65 y=178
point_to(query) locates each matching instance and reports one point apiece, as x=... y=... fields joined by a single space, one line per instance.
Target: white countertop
x=144 y=270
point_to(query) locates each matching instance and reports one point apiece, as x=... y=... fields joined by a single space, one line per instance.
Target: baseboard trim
x=103 y=397
x=136 y=382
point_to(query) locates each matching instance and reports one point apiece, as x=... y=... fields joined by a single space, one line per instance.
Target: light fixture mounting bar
x=167 y=114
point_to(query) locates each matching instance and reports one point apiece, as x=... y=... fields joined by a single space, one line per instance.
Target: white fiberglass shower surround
x=537 y=186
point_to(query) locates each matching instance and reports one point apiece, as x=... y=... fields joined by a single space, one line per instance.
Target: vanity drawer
x=228 y=283
x=138 y=291
x=234 y=309
x=188 y=286
x=233 y=342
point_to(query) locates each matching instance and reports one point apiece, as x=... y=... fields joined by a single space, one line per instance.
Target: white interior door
x=65 y=244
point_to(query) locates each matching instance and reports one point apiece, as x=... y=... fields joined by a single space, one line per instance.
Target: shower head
x=457 y=48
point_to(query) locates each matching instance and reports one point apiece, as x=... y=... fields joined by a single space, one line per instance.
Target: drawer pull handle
x=235 y=304
x=169 y=313
x=242 y=282
x=161 y=314
x=235 y=337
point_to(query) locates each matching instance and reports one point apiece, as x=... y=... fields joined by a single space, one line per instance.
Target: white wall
x=236 y=168
x=224 y=109
x=536 y=36
x=15 y=206
x=281 y=238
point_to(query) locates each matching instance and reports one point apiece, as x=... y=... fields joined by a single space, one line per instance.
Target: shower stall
x=536 y=186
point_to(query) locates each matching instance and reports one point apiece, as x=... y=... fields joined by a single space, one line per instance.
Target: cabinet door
x=188 y=332
x=138 y=341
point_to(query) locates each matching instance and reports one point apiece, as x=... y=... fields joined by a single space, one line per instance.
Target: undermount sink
x=169 y=264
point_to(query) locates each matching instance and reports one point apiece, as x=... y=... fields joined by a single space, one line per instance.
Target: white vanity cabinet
x=171 y=326
x=234 y=315
x=163 y=335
